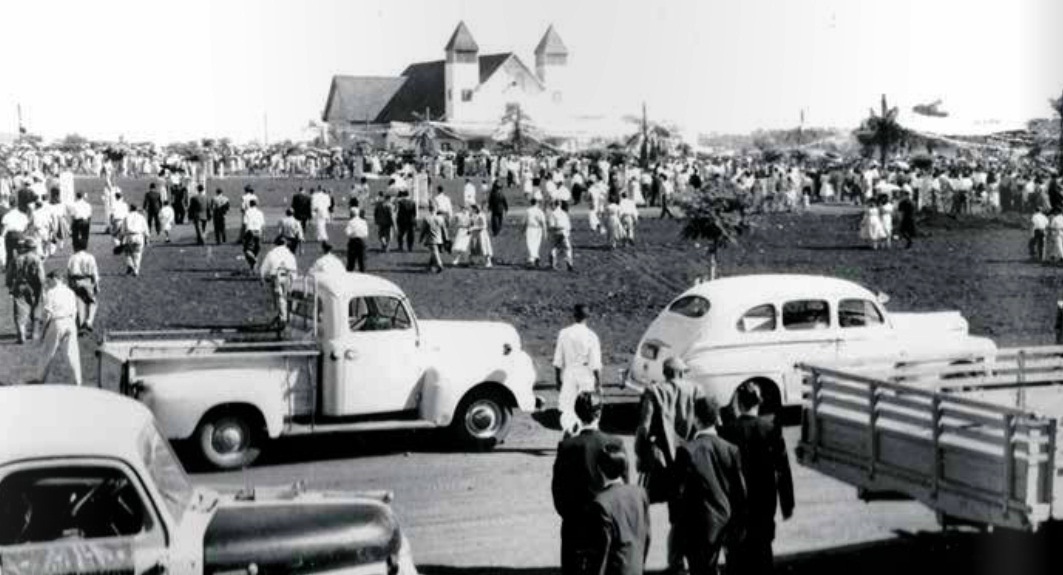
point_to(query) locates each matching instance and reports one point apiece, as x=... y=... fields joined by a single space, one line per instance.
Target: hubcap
x=229 y=437
x=483 y=419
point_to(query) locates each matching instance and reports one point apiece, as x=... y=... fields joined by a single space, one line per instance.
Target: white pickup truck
x=358 y=360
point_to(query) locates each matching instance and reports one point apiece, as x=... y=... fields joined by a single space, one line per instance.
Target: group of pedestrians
x=723 y=474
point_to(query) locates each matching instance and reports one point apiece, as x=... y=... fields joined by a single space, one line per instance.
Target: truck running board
x=386 y=425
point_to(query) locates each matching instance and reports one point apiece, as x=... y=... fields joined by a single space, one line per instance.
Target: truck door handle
x=350 y=355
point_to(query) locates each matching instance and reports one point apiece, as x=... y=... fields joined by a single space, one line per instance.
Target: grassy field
x=976 y=266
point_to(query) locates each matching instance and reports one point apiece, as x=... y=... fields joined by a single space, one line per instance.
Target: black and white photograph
x=531 y=287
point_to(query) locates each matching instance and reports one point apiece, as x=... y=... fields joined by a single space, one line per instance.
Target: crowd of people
x=723 y=473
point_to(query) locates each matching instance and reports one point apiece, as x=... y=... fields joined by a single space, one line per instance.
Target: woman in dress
x=481 y=239
x=460 y=247
x=886 y=215
x=613 y=228
x=594 y=216
x=1054 y=241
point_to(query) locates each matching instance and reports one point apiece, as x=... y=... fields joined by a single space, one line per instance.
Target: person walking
x=711 y=494
x=83 y=275
x=152 y=207
x=480 y=244
x=667 y=191
x=60 y=329
x=119 y=211
x=25 y=282
x=290 y=230
x=619 y=529
x=166 y=219
x=13 y=229
x=384 y=218
x=434 y=235
x=80 y=221
x=460 y=246
x=768 y=480
x=253 y=224
x=219 y=208
x=301 y=207
x=321 y=207
x=357 y=231
x=577 y=365
x=498 y=207
x=178 y=198
x=406 y=220
x=629 y=217
x=906 y=211
x=666 y=419
x=134 y=237
x=534 y=224
x=327 y=264
x=276 y=273
x=198 y=207
x=576 y=482
x=1036 y=245
x=560 y=227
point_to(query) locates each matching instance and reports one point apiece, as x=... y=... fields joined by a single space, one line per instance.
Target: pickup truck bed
x=973 y=438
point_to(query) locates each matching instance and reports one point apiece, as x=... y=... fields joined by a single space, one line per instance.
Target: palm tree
x=882 y=131
x=425 y=134
x=1057 y=105
x=651 y=140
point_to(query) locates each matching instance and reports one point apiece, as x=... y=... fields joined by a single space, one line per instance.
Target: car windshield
x=166 y=471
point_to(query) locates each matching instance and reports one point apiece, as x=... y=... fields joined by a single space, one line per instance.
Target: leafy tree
x=73 y=142
x=715 y=215
x=516 y=130
x=652 y=140
x=882 y=131
x=1057 y=106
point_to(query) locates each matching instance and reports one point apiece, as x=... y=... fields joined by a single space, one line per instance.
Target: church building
x=467 y=90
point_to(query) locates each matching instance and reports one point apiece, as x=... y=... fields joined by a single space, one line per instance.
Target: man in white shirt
x=1039 y=226
x=629 y=216
x=60 y=329
x=577 y=366
x=357 y=232
x=328 y=263
x=12 y=229
x=134 y=236
x=560 y=227
x=291 y=230
x=276 y=272
x=253 y=223
x=321 y=211
x=80 y=221
x=534 y=224
x=83 y=275
x=42 y=227
x=119 y=211
x=441 y=203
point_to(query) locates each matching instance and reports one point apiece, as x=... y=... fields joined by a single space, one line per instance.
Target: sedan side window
x=380 y=313
x=760 y=318
x=806 y=314
x=69 y=503
x=858 y=313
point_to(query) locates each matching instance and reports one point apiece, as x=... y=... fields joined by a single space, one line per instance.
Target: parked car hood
x=929 y=324
x=300 y=533
x=471 y=336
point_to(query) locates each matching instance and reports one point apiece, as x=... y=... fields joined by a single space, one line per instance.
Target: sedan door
x=864 y=333
x=377 y=358
x=808 y=336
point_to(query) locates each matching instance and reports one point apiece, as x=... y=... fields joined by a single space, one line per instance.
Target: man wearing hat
x=25 y=282
x=12 y=228
x=577 y=365
x=60 y=329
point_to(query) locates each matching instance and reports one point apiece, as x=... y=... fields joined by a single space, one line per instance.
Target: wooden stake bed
x=968 y=437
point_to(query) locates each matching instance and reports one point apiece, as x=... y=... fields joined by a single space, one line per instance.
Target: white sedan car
x=758 y=327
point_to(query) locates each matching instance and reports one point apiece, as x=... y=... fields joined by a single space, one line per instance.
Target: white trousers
x=61 y=339
x=571 y=387
x=533 y=239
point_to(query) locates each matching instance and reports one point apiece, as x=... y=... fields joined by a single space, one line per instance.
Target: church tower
x=462 y=72
x=551 y=59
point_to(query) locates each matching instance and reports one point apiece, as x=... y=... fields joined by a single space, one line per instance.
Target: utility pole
x=21 y=128
x=1059 y=109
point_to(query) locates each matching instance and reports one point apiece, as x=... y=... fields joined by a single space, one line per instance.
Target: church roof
x=360 y=98
x=461 y=40
x=551 y=44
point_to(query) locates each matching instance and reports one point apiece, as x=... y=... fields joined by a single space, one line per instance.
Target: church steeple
x=461 y=42
x=551 y=59
x=461 y=72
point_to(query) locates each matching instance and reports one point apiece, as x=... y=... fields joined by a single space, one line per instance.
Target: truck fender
x=180 y=408
x=440 y=395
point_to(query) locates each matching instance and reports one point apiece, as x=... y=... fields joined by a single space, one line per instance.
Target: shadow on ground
x=923 y=553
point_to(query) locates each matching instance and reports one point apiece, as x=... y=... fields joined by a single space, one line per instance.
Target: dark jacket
x=619 y=536
x=766 y=469
x=496 y=202
x=197 y=207
x=576 y=481
x=152 y=201
x=711 y=491
x=383 y=215
x=301 y=207
x=406 y=213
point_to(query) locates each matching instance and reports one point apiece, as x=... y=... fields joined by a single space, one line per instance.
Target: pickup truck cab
x=358 y=360
x=758 y=327
x=98 y=490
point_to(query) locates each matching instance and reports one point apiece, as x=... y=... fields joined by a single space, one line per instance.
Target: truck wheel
x=227 y=440
x=481 y=420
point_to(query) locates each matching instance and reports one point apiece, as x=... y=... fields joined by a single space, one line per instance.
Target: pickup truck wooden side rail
x=964 y=458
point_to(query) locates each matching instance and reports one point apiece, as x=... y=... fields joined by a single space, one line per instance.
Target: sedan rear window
x=760 y=318
x=806 y=314
x=690 y=306
x=858 y=313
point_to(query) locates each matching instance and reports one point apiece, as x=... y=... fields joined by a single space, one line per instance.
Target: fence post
x=813 y=424
x=1009 y=460
x=935 y=418
x=1020 y=395
x=872 y=402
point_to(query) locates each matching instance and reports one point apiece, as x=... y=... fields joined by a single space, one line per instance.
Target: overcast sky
x=178 y=70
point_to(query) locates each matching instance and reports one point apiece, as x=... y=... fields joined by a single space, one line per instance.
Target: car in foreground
x=88 y=484
x=758 y=327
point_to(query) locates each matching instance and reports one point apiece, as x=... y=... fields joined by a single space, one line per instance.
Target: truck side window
x=380 y=313
x=760 y=318
x=806 y=314
x=858 y=313
x=63 y=503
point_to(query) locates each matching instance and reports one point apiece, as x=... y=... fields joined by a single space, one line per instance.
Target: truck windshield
x=166 y=471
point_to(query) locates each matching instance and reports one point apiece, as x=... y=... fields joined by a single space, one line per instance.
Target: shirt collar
x=709 y=431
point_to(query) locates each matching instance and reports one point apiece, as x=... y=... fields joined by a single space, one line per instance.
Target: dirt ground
x=978 y=267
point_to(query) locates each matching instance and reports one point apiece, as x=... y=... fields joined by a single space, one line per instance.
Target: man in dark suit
x=711 y=500
x=619 y=533
x=406 y=220
x=301 y=207
x=576 y=482
x=197 y=212
x=766 y=470
x=152 y=207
